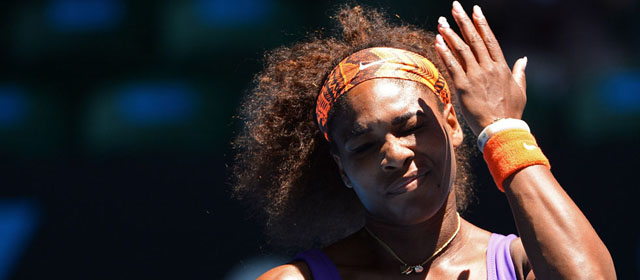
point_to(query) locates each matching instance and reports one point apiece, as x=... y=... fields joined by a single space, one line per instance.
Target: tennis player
x=354 y=150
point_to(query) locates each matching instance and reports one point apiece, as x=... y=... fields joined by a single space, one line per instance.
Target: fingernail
x=477 y=11
x=439 y=40
x=443 y=22
x=457 y=7
x=525 y=61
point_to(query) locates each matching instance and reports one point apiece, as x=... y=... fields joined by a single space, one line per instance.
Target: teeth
x=443 y=22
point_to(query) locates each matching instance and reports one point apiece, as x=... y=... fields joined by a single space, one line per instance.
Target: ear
x=343 y=175
x=455 y=130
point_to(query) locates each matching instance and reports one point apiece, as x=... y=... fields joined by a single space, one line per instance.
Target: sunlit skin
x=556 y=239
x=394 y=149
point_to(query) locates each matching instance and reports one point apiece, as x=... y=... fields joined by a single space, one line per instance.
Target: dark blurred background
x=115 y=119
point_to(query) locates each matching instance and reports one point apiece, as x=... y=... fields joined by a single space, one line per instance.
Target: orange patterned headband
x=376 y=63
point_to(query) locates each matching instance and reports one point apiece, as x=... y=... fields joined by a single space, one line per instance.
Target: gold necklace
x=408 y=269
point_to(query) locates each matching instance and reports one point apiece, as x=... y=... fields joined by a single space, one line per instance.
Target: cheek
x=433 y=141
x=440 y=151
x=432 y=147
x=362 y=170
x=364 y=175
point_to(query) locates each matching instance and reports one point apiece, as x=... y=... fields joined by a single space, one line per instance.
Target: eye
x=412 y=129
x=362 y=148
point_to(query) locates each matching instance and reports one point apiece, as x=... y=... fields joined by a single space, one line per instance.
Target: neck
x=416 y=243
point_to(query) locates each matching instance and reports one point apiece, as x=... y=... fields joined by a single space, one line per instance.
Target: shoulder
x=292 y=271
x=338 y=253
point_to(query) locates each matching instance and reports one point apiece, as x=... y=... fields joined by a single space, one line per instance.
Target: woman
x=379 y=185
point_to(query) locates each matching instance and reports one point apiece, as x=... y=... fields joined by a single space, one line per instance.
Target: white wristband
x=501 y=125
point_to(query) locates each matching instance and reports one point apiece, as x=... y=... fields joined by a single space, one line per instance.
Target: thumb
x=518 y=73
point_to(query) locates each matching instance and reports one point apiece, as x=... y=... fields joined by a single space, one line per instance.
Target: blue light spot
x=17 y=222
x=13 y=106
x=622 y=92
x=85 y=15
x=227 y=13
x=156 y=103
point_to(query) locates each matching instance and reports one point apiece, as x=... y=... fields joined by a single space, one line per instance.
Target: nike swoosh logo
x=528 y=147
x=365 y=66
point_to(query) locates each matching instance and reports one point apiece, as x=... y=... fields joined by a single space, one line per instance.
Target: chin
x=414 y=206
x=418 y=209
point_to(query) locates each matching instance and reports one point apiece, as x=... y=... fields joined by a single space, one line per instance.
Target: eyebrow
x=357 y=131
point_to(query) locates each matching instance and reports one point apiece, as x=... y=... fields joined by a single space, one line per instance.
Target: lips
x=408 y=182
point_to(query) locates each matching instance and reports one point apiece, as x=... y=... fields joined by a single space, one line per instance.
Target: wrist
x=497 y=126
x=509 y=151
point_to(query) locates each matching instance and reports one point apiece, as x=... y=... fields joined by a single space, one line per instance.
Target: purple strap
x=321 y=266
x=499 y=262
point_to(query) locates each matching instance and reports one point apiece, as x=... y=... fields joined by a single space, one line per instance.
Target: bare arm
x=558 y=240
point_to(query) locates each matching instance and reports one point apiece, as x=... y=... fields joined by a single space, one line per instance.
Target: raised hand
x=487 y=89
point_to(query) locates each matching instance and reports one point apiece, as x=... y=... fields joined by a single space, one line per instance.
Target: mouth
x=407 y=183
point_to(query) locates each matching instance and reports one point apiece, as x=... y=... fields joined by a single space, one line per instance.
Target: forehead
x=376 y=98
x=379 y=101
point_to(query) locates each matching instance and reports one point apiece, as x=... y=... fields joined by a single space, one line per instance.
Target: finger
x=518 y=73
x=450 y=61
x=487 y=35
x=457 y=46
x=442 y=23
x=470 y=34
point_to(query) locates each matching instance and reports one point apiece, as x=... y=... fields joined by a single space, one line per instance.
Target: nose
x=395 y=154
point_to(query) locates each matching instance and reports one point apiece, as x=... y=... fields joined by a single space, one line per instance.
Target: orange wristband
x=511 y=150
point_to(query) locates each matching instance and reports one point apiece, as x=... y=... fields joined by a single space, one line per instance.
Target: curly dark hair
x=283 y=167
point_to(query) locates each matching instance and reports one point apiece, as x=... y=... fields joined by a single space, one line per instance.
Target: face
x=394 y=147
